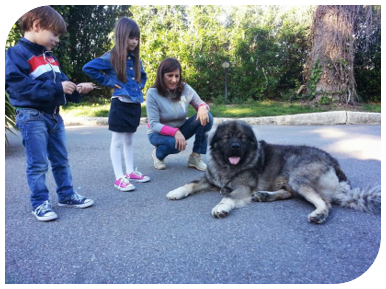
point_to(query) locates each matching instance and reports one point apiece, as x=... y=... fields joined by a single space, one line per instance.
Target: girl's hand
x=202 y=115
x=85 y=87
x=180 y=141
x=117 y=86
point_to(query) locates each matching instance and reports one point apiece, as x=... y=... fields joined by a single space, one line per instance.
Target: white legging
x=117 y=140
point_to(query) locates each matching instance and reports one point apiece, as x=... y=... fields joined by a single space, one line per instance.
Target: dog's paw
x=219 y=212
x=178 y=193
x=317 y=218
x=223 y=208
x=260 y=196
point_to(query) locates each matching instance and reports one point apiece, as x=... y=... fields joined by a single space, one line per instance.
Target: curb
x=319 y=118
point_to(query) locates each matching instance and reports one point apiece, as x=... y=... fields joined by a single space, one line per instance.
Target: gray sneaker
x=196 y=162
x=158 y=164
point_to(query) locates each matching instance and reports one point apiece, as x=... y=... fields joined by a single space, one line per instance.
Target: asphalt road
x=142 y=237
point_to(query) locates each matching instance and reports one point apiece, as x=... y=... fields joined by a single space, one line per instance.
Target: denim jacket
x=104 y=73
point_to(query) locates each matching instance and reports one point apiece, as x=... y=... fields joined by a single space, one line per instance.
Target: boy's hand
x=68 y=87
x=85 y=87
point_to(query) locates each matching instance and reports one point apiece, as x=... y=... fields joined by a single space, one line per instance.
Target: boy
x=37 y=87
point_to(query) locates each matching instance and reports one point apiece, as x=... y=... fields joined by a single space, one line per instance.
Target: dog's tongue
x=234 y=160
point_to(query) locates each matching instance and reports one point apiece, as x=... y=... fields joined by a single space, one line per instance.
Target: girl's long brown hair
x=124 y=29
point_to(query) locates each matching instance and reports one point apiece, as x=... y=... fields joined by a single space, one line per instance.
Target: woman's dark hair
x=125 y=29
x=168 y=65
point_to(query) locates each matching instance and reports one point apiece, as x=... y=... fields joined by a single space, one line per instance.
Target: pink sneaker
x=137 y=177
x=123 y=185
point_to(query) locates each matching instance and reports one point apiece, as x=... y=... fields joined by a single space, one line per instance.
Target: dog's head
x=233 y=143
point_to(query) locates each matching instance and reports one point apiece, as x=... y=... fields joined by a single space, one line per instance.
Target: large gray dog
x=244 y=169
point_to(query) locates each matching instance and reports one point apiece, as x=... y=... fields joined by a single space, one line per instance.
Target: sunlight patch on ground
x=364 y=147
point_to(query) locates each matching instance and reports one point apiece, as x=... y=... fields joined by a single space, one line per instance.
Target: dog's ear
x=251 y=134
x=213 y=139
x=254 y=139
x=214 y=136
x=261 y=145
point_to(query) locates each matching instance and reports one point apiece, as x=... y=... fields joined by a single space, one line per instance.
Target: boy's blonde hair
x=48 y=19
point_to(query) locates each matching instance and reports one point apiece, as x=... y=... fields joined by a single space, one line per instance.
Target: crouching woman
x=169 y=129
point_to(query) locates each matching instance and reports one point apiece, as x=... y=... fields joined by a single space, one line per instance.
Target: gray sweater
x=166 y=116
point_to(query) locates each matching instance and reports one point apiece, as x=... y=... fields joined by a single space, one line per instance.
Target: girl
x=121 y=69
x=167 y=108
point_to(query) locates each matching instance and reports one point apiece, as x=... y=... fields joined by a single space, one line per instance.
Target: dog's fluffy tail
x=362 y=199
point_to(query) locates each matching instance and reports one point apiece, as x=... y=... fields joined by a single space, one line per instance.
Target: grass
x=99 y=107
x=372 y=107
x=262 y=108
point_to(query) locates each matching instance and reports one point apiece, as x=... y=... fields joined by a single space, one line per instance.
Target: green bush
x=267 y=47
x=9 y=118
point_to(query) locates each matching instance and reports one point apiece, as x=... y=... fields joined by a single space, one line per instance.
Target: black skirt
x=124 y=117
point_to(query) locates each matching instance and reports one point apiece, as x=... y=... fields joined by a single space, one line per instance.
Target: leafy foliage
x=9 y=117
x=316 y=73
x=367 y=65
x=267 y=47
x=89 y=35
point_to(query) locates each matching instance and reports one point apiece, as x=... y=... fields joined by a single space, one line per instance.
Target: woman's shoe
x=158 y=164
x=196 y=162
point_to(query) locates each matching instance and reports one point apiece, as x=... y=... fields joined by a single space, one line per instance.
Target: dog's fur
x=244 y=169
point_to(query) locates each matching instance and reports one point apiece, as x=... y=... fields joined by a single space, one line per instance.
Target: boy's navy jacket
x=104 y=73
x=33 y=78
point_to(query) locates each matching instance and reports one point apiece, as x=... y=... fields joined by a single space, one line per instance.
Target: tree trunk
x=329 y=71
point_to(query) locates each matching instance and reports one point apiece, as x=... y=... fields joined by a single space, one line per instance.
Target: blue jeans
x=166 y=144
x=44 y=138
